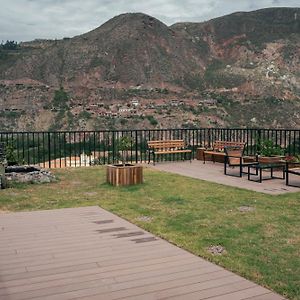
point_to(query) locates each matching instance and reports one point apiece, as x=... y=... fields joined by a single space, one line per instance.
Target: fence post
x=49 y=150
x=258 y=140
x=113 y=147
x=209 y=138
x=136 y=147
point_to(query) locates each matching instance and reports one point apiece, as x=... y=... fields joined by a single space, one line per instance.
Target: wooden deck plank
x=124 y=269
x=93 y=256
x=269 y=296
x=74 y=251
x=119 y=276
x=89 y=253
x=244 y=294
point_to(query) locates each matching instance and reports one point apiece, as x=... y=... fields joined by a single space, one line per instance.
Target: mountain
x=134 y=71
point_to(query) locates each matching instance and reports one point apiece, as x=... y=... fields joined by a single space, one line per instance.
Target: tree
x=9 y=45
x=61 y=98
x=124 y=144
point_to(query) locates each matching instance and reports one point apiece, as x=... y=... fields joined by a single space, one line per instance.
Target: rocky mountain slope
x=134 y=71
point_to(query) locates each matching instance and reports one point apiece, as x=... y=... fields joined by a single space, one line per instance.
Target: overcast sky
x=24 y=20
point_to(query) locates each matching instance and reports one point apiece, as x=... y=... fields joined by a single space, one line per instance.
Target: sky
x=25 y=20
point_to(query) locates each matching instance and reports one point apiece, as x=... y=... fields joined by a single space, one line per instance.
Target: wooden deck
x=89 y=253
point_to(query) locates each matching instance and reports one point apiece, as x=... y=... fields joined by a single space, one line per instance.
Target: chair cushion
x=234 y=160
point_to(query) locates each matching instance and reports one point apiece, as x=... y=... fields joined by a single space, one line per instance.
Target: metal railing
x=82 y=148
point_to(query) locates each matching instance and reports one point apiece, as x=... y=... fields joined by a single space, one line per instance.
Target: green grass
x=261 y=245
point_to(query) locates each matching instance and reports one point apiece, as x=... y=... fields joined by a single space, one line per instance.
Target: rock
x=246 y=208
x=217 y=250
x=22 y=175
x=146 y=219
x=90 y=193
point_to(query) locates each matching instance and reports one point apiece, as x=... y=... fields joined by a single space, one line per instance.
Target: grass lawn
x=262 y=245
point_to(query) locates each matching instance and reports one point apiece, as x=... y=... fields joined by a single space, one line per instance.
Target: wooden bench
x=217 y=151
x=167 y=147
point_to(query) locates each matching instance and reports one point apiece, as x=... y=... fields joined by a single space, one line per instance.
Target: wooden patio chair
x=234 y=159
x=294 y=169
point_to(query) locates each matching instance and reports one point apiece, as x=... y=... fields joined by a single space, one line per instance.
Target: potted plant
x=124 y=173
x=269 y=152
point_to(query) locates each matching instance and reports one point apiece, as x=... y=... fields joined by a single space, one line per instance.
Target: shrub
x=219 y=80
x=294 y=147
x=123 y=121
x=268 y=148
x=10 y=154
x=124 y=144
x=193 y=81
x=214 y=76
x=84 y=115
x=152 y=120
x=9 y=45
x=60 y=98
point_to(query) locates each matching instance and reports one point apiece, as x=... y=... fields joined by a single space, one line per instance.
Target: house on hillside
x=135 y=102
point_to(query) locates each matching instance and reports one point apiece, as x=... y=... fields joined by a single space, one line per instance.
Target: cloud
x=30 y=19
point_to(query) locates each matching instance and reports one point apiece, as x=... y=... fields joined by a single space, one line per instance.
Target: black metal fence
x=82 y=148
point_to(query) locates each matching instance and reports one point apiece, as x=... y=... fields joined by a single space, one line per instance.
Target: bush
x=123 y=121
x=10 y=154
x=294 y=147
x=162 y=91
x=215 y=77
x=84 y=115
x=9 y=45
x=268 y=148
x=219 y=80
x=60 y=98
x=289 y=51
x=10 y=114
x=152 y=120
x=194 y=82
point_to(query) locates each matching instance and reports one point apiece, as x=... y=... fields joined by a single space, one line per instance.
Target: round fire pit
x=28 y=174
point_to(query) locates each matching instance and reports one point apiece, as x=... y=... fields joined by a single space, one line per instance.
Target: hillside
x=134 y=71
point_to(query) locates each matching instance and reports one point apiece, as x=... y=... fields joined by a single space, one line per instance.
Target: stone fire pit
x=28 y=174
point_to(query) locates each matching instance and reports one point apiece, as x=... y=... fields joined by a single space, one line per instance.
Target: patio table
x=266 y=167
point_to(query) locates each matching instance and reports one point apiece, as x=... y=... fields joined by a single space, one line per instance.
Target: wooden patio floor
x=89 y=253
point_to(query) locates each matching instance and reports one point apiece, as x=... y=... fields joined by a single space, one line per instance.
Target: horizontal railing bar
x=141 y=130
